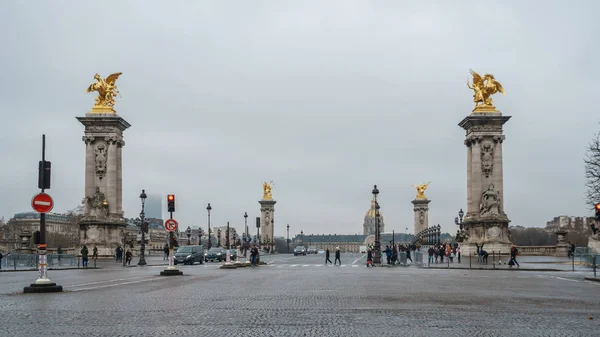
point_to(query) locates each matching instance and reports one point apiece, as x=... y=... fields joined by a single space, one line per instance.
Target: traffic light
x=171 y=202
x=44 y=175
x=597 y=207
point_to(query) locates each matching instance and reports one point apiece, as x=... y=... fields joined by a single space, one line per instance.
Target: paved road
x=300 y=296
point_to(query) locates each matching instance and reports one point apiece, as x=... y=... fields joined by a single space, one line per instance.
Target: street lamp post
x=258 y=232
x=246 y=233
x=439 y=232
x=188 y=232
x=200 y=235
x=273 y=238
x=459 y=219
x=302 y=237
x=227 y=243
x=288 y=238
x=208 y=208
x=377 y=256
x=144 y=228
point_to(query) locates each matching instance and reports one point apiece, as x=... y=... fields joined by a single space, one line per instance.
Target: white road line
x=120 y=284
x=566 y=279
x=294 y=265
x=354 y=265
x=306 y=265
x=105 y=281
x=359 y=259
x=343 y=265
x=318 y=265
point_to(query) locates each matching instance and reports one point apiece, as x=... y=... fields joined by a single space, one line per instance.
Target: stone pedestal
x=103 y=220
x=267 y=230
x=486 y=221
x=594 y=244
x=421 y=209
x=562 y=247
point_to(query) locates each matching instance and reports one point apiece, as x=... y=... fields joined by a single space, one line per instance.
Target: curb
x=593 y=279
x=57 y=269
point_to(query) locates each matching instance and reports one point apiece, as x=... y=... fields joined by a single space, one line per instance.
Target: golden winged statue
x=483 y=88
x=107 y=91
x=421 y=190
x=267 y=190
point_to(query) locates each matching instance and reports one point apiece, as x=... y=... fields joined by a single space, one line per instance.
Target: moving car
x=215 y=254
x=312 y=250
x=189 y=255
x=233 y=254
x=300 y=250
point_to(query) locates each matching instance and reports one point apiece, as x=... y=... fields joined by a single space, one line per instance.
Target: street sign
x=42 y=203
x=171 y=225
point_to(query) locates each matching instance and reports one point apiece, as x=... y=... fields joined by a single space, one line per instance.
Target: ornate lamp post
x=377 y=256
x=459 y=219
x=302 y=237
x=271 y=243
x=208 y=208
x=439 y=232
x=288 y=238
x=258 y=232
x=144 y=228
x=188 y=232
x=200 y=235
x=246 y=233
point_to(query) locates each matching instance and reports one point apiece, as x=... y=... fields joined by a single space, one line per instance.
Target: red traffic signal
x=171 y=203
x=597 y=207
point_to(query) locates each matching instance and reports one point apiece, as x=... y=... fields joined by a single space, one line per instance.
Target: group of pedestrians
x=84 y=255
x=337 y=256
x=449 y=251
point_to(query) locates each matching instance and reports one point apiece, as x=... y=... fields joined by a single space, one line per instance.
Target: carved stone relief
x=88 y=139
x=490 y=202
x=101 y=156
x=494 y=233
x=486 y=128
x=101 y=128
x=421 y=217
x=487 y=156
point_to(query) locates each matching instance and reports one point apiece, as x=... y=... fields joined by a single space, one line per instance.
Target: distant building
x=153 y=208
x=369 y=222
x=61 y=230
x=568 y=222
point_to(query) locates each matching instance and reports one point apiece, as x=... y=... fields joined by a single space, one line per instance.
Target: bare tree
x=592 y=170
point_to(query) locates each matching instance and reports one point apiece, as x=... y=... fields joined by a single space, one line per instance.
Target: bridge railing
x=17 y=261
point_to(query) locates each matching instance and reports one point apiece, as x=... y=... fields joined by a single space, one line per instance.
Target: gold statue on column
x=483 y=88
x=267 y=190
x=421 y=190
x=107 y=91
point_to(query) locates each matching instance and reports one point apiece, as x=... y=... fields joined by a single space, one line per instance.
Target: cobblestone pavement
x=303 y=300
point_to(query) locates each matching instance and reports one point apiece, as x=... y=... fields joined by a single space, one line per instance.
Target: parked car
x=312 y=250
x=189 y=255
x=215 y=254
x=300 y=250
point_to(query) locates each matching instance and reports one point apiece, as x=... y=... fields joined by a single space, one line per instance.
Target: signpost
x=43 y=203
x=171 y=226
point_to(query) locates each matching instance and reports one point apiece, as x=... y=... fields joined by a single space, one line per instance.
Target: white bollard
x=228 y=257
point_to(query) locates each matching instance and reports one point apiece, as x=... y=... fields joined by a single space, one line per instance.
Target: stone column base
x=106 y=236
x=562 y=250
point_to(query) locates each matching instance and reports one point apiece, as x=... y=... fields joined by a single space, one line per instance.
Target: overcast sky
x=325 y=98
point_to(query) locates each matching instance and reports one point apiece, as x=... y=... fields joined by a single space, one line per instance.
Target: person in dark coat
x=369 y=258
x=327 y=256
x=337 y=256
x=84 y=256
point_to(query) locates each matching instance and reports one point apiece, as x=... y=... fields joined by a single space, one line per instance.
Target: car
x=215 y=254
x=300 y=250
x=312 y=250
x=189 y=255
x=233 y=253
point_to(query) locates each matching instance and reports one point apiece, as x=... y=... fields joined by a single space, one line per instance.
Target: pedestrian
x=430 y=253
x=408 y=255
x=327 y=256
x=369 y=258
x=1 y=260
x=59 y=253
x=484 y=256
x=388 y=254
x=128 y=257
x=166 y=251
x=337 y=256
x=84 y=256
x=513 y=257
x=253 y=255
x=95 y=253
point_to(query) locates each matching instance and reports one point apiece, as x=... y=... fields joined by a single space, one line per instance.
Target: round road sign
x=42 y=203
x=171 y=225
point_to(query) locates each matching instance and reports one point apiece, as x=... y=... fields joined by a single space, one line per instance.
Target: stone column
x=111 y=174
x=485 y=183
x=421 y=209
x=267 y=213
x=89 y=165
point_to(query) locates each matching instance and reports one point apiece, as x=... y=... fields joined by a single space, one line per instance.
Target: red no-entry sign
x=42 y=203
x=171 y=225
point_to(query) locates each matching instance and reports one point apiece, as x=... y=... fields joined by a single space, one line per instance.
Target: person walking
x=253 y=255
x=1 y=260
x=327 y=256
x=513 y=257
x=430 y=253
x=166 y=251
x=369 y=258
x=84 y=256
x=128 y=257
x=59 y=253
x=388 y=254
x=337 y=256
x=95 y=253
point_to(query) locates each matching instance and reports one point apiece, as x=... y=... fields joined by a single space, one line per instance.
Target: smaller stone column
x=562 y=248
x=267 y=213
x=421 y=209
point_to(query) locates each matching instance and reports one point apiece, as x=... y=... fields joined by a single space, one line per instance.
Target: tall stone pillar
x=267 y=230
x=421 y=209
x=103 y=220
x=486 y=221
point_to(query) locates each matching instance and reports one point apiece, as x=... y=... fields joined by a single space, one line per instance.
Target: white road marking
x=120 y=284
x=566 y=279
x=105 y=281
x=306 y=265
x=359 y=259
x=318 y=265
x=342 y=265
x=294 y=265
x=354 y=265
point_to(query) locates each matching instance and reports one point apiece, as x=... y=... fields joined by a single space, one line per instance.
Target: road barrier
x=30 y=261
